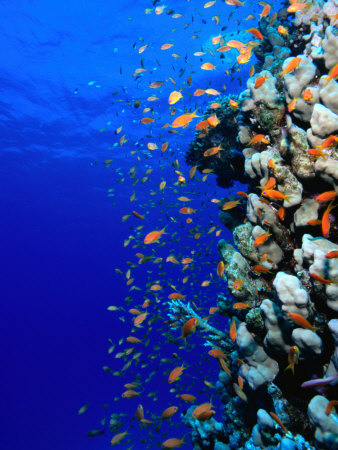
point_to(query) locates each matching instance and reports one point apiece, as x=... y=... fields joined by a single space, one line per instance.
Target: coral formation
x=282 y=269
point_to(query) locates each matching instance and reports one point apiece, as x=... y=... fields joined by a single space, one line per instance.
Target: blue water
x=61 y=64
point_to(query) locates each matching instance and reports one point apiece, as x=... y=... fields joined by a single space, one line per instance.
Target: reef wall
x=280 y=375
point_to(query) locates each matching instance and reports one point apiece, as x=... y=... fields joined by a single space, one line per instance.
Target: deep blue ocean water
x=66 y=84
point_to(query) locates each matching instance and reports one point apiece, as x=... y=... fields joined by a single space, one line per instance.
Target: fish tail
x=290 y=367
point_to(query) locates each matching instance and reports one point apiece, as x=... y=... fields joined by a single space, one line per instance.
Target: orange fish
x=326 y=196
x=212 y=151
x=166 y=46
x=224 y=366
x=292 y=65
x=169 y=412
x=266 y=11
x=333 y=74
x=118 y=438
x=233 y=104
x=301 y=321
x=307 y=95
x=332 y=254
x=293 y=357
x=201 y=409
x=329 y=142
x=172 y=443
x=213 y=121
x=206 y=415
x=174 y=97
x=217 y=353
x=242 y=194
x=198 y=92
x=136 y=214
x=321 y=279
x=175 y=374
x=252 y=70
x=212 y=92
x=281 y=213
x=271 y=163
x=220 y=269
x=280 y=423
x=147 y=120
x=183 y=120
x=292 y=105
x=240 y=305
x=208 y=66
x=256 y=33
x=213 y=309
x=259 y=138
x=133 y=340
x=330 y=406
x=260 y=269
x=261 y=239
x=187 y=210
x=296 y=7
x=130 y=394
x=233 y=331
x=164 y=147
x=156 y=84
x=188 y=397
x=153 y=236
x=326 y=219
x=259 y=81
x=238 y=284
x=140 y=318
x=230 y=205
x=189 y=327
x=275 y=195
x=283 y=31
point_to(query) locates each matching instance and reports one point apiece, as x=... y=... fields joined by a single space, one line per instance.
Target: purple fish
x=318 y=382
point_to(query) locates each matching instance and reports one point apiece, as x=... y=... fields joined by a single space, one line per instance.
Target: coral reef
x=282 y=270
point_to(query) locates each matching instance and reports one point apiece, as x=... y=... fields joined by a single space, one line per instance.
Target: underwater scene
x=169 y=181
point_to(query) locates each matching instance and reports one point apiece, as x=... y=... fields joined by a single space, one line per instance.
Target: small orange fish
x=136 y=214
x=217 y=353
x=329 y=142
x=242 y=194
x=147 y=120
x=296 y=7
x=307 y=95
x=201 y=409
x=233 y=331
x=166 y=46
x=260 y=269
x=275 y=195
x=326 y=219
x=280 y=423
x=156 y=84
x=189 y=327
x=332 y=254
x=326 y=196
x=291 y=66
x=212 y=92
x=317 y=153
x=208 y=66
x=183 y=120
x=321 y=279
x=220 y=269
x=266 y=11
x=293 y=357
x=330 y=406
x=261 y=239
x=188 y=397
x=256 y=33
x=176 y=296
x=301 y=321
x=238 y=284
x=118 y=438
x=187 y=210
x=333 y=74
x=240 y=305
x=169 y=412
x=130 y=394
x=212 y=151
x=172 y=443
x=233 y=104
x=198 y=92
x=213 y=121
x=140 y=319
x=230 y=205
x=260 y=81
x=259 y=138
x=314 y=222
x=212 y=310
x=175 y=374
x=281 y=213
x=271 y=163
x=224 y=366
x=174 y=97
x=252 y=70
x=283 y=31
x=153 y=236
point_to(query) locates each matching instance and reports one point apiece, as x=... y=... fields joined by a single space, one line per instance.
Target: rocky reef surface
x=279 y=378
